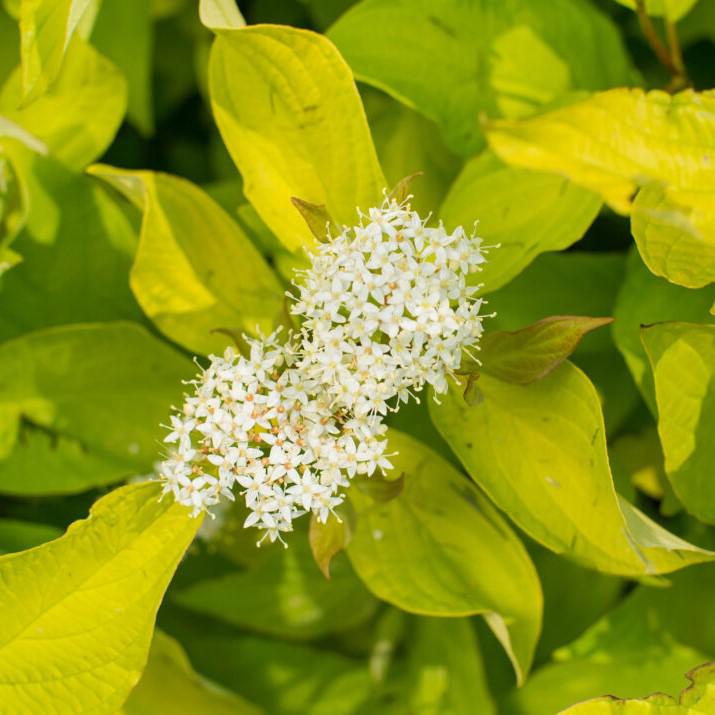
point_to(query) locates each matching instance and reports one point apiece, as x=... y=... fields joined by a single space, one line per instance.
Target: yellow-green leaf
x=676 y=237
x=84 y=404
x=417 y=551
x=619 y=141
x=460 y=60
x=529 y=354
x=46 y=28
x=645 y=299
x=616 y=141
x=523 y=212
x=79 y=114
x=220 y=14
x=328 y=539
x=697 y=699
x=170 y=685
x=289 y=113
x=79 y=611
x=539 y=451
x=195 y=270
x=682 y=357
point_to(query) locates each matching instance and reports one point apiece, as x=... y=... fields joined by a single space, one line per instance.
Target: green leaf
x=522 y=212
x=290 y=115
x=115 y=24
x=17 y=535
x=417 y=552
x=170 y=685
x=79 y=115
x=195 y=270
x=682 y=358
x=697 y=698
x=619 y=141
x=408 y=143
x=80 y=610
x=626 y=652
x=284 y=595
x=461 y=60
x=76 y=269
x=445 y=673
x=220 y=14
x=539 y=451
x=574 y=598
x=95 y=392
x=46 y=28
x=645 y=299
x=672 y=9
x=300 y=680
x=529 y=354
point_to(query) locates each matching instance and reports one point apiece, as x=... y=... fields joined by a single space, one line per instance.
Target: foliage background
x=127 y=236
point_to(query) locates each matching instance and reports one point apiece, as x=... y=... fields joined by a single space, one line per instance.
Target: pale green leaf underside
x=79 y=611
x=539 y=451
x=417 y=552
x=672 y=9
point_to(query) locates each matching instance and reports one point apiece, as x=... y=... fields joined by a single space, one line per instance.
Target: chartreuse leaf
x=80 y=610
x=170 y=685
x=289 y=113
x=11 y=130
x=523 y=212
x=539 y=451
x=646 y=299
x=628 y=652
x=76 y=269
x=284 y=594
x=618 y=141
x=220 y=14
x=682 y=358
x=672 y=9
x=529 y=354
x=114 y=24
x=502 y=59
x=46 y=29
x=195 y=270
x=417 y=552
x=79 y=115
x=445 y=673
x=93 y=392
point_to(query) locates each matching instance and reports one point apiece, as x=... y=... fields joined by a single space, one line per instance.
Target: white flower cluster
x=386 y=309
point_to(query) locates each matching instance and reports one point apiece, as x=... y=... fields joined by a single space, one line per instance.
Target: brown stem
x=670 y=62
x=676 y=53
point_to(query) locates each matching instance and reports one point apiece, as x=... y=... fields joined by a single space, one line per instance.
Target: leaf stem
x=671 y=58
